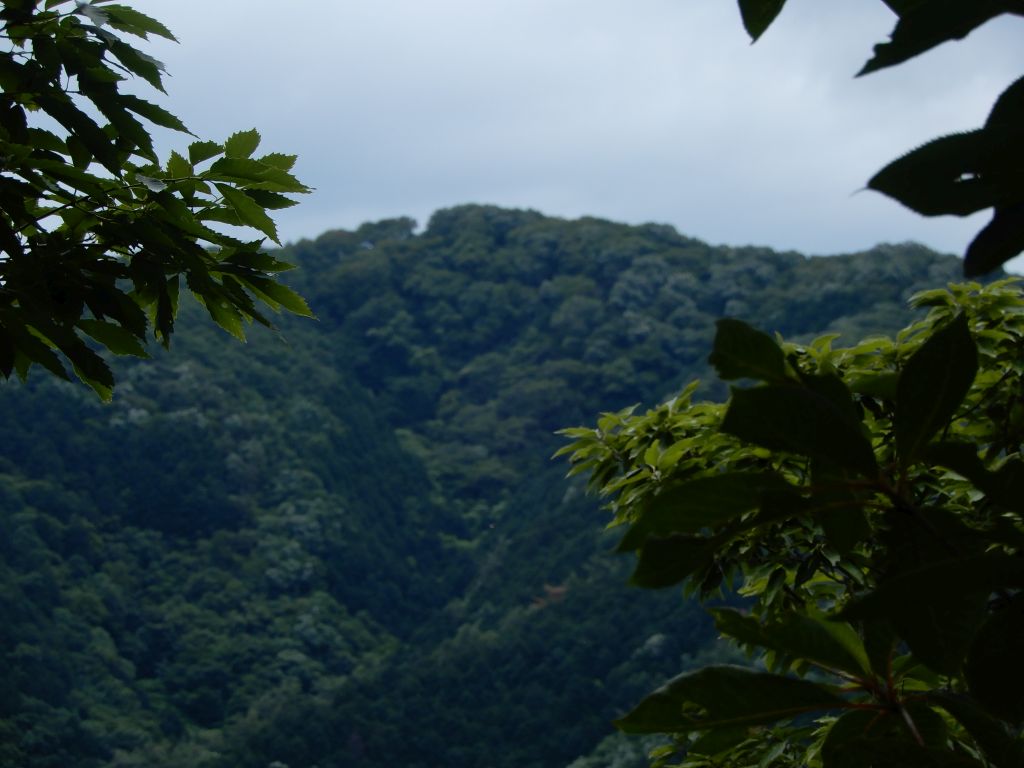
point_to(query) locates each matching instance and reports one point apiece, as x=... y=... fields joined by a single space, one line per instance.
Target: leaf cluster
x=958 y=174
x=866 y=503
x=97 y=234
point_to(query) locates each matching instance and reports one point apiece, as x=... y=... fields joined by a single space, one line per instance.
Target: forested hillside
x=344 y=544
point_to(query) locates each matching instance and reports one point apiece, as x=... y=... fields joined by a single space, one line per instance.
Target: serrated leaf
x=278 y=160
x=155 y=114
x=224 y=315
x=113 y=337
x=957 y=174
x=280 y=294
x=249 y=211
x=126 y=19
x=932 y=385
x=178 y=166
x=725 y=696
x=138 y=62
x=923 y=26
x=198 y=151
x=242 y=144
x=743 y=352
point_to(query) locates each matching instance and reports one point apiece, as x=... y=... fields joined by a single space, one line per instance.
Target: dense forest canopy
x=345 y=544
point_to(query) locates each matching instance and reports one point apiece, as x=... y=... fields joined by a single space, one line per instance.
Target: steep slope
x=346 y=546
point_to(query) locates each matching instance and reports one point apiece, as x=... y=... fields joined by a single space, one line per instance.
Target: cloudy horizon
x=660 y=111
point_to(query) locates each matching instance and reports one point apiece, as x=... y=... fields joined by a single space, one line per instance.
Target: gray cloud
x=653 y=111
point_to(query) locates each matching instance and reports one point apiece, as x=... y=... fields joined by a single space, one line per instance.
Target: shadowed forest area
x=346 y=544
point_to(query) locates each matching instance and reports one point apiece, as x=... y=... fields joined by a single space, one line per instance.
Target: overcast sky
x=638 y=110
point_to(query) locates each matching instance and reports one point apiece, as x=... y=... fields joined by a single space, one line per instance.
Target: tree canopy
x=958 y=174
x=98 y=233
x=865 y=506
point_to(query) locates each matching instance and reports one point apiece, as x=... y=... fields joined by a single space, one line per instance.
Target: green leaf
x=113 y=337
x=249 y=211
x=725 y=696
x=758 y=15
x=224 y=314
x=242 y=144
x=743 y=352
x=270 y=200
x=797 y=419
x=932 y=385
x=153 y=113
x=834 y=645
x=178 y=167
x=1004 y=487
x=995 y=662
x=126 y=19
x=137 y=62
x=198 y=151
x=880 y=385
x=278 y=160
x=276 y=293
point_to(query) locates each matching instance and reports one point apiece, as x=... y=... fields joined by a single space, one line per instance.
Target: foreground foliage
x=958 y=174
x=97 y=233
x=865 y=503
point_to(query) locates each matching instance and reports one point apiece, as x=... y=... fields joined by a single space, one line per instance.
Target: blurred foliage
x=345 y=544
x=962 y=173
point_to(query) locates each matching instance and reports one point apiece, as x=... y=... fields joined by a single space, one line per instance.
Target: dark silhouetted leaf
x=995 y=663
x=797 y=419
x=724 y=696
x=997 y=242
x=668 y=561
x=996 y=741
x=743 y=352
x=707 y=501
x=928 y=23
x=759 y=14
x=932 y=386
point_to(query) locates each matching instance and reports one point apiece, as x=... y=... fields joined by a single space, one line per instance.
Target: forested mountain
x=344 y=544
